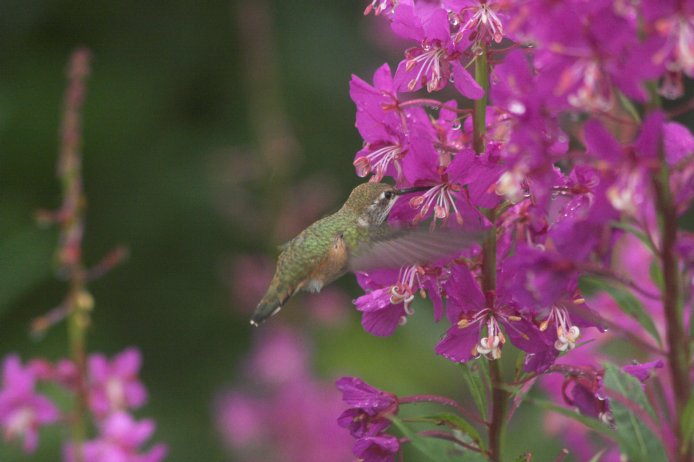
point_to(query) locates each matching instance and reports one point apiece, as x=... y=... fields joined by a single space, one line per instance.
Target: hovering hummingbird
x=355 y=238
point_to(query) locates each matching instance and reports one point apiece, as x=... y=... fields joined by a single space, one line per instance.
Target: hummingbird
x=355 y=238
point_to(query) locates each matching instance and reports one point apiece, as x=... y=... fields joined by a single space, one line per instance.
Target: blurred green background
x=211 y=130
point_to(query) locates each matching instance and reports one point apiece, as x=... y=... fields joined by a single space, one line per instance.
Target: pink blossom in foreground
x=120 y=438
x=23 y=411
x=280 y=411
x=114 y=385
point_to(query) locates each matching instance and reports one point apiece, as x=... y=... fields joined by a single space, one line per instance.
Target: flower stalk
x=677 y=341
x=499 y=396
x=78 y=301
x=480 y=105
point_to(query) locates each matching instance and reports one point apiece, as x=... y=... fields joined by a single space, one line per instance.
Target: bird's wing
x=396 y=247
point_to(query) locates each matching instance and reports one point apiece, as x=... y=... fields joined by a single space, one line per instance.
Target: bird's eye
x=388 y=195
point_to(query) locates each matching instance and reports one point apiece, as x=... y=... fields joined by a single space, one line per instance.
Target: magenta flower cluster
x=280 y=410
x=549 y=135
x=555 y=203
x=113 y=390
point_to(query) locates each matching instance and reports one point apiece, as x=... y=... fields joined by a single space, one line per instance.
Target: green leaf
x=656 y=273
x=636 y=440
x=628 y=106
x=642 y=236
x=589 y=422
x=436 y=449
x=625 y=299
x=687 y=420
x=457 y=422
x=474 y=382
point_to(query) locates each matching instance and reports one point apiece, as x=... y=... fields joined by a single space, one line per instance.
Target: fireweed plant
x=100 y=391
x=542 y=123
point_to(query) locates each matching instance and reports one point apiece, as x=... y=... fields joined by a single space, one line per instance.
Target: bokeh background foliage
x=196 y=116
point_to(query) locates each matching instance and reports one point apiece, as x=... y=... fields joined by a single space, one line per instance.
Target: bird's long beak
x=400 y=192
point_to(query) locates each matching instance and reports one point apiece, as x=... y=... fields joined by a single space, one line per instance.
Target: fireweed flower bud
x=583 y=387
x=376 y=448
x=370 y=407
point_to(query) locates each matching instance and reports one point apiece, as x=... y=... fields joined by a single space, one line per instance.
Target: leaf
x=642 y=236
x=476 y=386
x=628 y=106
x=687 y=420
x=435 y=449
x=656 y=273
x=589 y=422
x=457 y=422
x=635 y=439
x=625 y=299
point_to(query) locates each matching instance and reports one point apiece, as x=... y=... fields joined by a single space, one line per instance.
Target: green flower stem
x=480 y=107
x=677 y=341
x=499 y=396
x=498 y=424
x=69 y=256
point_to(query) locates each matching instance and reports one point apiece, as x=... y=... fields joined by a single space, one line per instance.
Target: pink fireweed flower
x=586 y=65
x=628 y=169
x=380 y=317
x=22 y=410
x=241 y=418
x=114 y=385
x=469 y=311
x=120 y=440
x=376 y=158
x=387 y=129
x=672 y=22
x=456 y=187
x=435 y=60
x=478 y=20
x=386 y=305
x=286 y=414
x=280 y=356
x=440 y=198
x=567 y=333
x=389 y=295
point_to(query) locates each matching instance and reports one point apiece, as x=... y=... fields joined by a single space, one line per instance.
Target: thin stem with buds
x=78 y=301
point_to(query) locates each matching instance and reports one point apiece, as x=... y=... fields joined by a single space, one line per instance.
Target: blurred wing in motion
x=396 y=247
